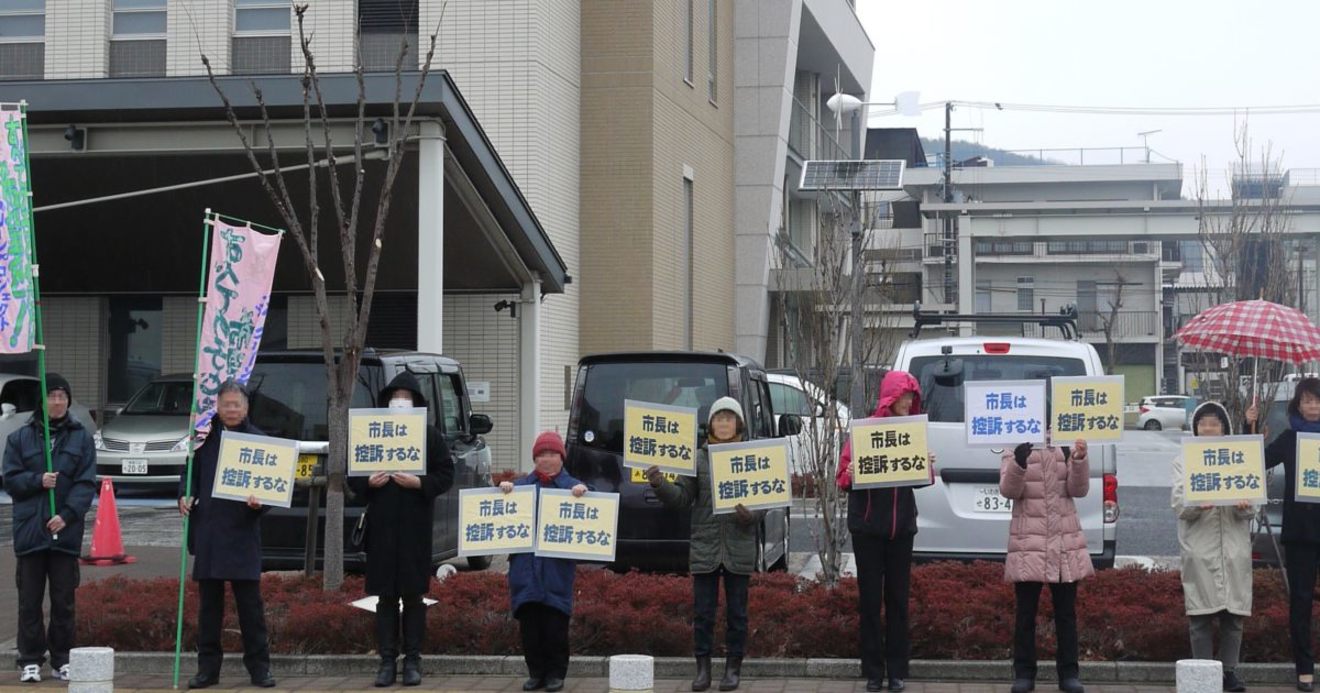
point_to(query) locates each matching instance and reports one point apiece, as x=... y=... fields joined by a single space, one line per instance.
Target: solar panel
x=867 y=174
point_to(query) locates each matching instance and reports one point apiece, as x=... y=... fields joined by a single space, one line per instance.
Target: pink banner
x=17 y=312
x=242 y=267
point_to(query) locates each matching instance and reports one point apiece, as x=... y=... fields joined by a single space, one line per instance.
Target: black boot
x=387 y=672
x=412 y=671
x=414 y=632
x=732 y=671
x=1024 y=685
x=702 y=680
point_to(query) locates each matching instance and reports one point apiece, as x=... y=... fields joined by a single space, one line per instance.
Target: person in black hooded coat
x=398 y=540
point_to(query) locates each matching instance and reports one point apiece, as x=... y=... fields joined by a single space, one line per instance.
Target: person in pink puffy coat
x=1045 y=546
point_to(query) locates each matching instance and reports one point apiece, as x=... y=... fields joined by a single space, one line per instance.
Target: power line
x=1286 y=109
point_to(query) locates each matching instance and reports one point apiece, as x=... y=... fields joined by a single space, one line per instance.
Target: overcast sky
x=1152 y=53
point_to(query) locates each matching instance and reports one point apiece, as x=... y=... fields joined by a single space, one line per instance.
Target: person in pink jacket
x=1045 y=546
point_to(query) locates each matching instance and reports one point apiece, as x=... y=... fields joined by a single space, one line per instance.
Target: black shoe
x=732 y=674
x=877 y=684
x=553 y=684
x=203 y=681
x=412 y=672
x=1232 y=683
x=265 y=680
x=702 y=680
x=1024 y=685
x=533 y=684
x=386 y=674
x=1072 y=686
x=896 y=684
x=1306 y=686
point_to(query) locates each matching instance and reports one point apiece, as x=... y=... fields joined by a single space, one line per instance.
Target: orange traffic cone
x=107 y=544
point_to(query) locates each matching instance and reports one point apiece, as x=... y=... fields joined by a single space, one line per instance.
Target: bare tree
x=1109 y=322
x=815 y=291
x=342 y=348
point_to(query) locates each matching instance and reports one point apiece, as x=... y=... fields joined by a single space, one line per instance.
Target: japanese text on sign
x=577 y=528
x=1000 y=412
x=1223 y=470
x=1308 y=468
x=386 y=440
x=1090 y=408
x=752 y=473
x=660 y=435
x=494 y=522
x=251 y=465
x=890 y=451
x=17 y=311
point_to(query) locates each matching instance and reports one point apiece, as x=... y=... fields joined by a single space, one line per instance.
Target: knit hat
x=55 y=381
x=728 y=404
x=549 y=441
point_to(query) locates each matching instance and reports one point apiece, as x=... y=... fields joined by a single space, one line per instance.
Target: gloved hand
x=1020 y=454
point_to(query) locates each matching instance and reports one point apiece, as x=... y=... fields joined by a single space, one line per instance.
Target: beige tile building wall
x=77 y=39
x=178 y=341
x=72 y=328
x=194 y=27
x=331 y=25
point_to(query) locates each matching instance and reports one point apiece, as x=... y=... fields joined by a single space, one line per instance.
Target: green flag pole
x=40 y=345
x=192 y=437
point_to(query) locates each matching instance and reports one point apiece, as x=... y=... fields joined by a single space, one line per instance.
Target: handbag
x=359 y=535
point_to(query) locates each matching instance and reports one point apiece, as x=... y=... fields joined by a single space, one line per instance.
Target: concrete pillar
x=529 y=369
x=430 y=237
x=1199 y=675
x=966 y=274
x=92 y=669
x=632 y=673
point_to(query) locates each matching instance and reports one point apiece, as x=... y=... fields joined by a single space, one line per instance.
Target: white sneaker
x=31 y=674
x=61 y=674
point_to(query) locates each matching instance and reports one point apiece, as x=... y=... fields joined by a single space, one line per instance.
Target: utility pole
x=856 y=395
x=950 y=236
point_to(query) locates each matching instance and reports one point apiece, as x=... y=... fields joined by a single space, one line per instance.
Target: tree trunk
x=334 y=494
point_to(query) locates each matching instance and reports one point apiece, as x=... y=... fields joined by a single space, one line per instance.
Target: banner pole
x=192 y=438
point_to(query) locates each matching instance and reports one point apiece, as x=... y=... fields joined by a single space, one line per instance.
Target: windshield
x=289 y=399
x=677 y=384
x=786 y=399
x=945 y=403
x=162 y=398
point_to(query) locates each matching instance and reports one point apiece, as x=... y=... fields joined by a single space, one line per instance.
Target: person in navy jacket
x=541 y=589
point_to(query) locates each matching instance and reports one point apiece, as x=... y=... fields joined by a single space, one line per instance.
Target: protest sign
x=1308 y=468
x=1087 y=407
x=1222 y=470
x=493 y=522
x=252 y=465
x=1004 y=412
x=386 y=440
x=890 y=451
x=660 y=435
x=753 y=473
x=583 y=529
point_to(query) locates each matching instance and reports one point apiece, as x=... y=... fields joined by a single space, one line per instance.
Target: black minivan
x=651 y=536
x=289 y=400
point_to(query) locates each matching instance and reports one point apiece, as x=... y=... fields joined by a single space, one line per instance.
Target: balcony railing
x=809 y=139
x=1128 y=325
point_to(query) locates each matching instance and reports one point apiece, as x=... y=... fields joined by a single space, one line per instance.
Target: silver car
x=19 y=396
x=147 y=441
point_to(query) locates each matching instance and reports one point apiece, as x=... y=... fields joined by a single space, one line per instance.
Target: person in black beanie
x=48 y=544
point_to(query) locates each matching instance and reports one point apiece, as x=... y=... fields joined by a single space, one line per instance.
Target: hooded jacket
x=1045 y=540
x=400 y=520
x=1215 y=544
x=885 y=512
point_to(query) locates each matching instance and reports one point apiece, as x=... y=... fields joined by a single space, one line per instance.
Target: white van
x=963 y=517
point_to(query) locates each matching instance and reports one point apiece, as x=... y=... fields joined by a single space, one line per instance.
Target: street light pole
x=858 y=390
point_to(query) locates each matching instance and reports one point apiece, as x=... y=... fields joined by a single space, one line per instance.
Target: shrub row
x=959 y=611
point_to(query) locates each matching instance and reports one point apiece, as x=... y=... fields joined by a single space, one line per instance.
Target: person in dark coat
x=224 y=537
x=47 y=546
x=541 y=589
x=398 y=540
x=1301 y=525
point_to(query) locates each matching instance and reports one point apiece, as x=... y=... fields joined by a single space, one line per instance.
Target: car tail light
x=1144 y=409
x=996 y=347
x=1111 y=498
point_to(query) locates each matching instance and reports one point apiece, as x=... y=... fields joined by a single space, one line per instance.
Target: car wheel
x=478 y=562
x=1153 y=425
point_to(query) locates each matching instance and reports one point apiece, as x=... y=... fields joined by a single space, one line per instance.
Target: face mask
x=401 y=404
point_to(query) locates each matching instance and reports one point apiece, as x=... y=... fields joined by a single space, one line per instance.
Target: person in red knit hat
x=541 y=589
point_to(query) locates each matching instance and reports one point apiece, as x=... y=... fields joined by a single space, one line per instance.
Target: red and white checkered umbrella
x=1254 y=328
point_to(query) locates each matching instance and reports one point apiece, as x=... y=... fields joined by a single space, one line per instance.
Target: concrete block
x=91 y=686
x=1200 y=675
x=632 y=673
x=92 y=664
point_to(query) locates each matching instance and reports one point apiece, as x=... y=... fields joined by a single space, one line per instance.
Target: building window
x=691 y=40
x=135 y=345
x=262 y=43
x=22 y=39
x=385 y=28
x=713 y=41
x=1005 y=248
x=1193 y=256
x=1026 y=293
x=1087 y=247
x=137 y=45
x=689 y=241
x=983 y=304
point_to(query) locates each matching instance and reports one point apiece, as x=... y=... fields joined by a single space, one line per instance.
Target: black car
x=650 y=535
x=289 y=400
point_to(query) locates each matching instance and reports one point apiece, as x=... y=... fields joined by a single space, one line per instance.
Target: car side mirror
x=7 y=410
x=480 y=424
x=789 y=425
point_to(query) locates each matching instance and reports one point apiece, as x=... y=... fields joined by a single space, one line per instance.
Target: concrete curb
x=158 y=663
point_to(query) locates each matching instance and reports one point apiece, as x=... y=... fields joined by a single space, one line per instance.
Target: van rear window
x=945 y=403
x=609 y=384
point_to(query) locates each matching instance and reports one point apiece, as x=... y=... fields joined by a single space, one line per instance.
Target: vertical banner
x=240 y=272
x=1087 y=407
x=752 y=473
x=1308 y=468
x=891 y=451
x=1004 y=412
x=17 y=309
x=1223 y=470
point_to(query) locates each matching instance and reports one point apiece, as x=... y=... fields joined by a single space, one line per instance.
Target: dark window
x=289 y=399
x=261 y=43
x=786 y=399
x=22 y=39
x=945 y=402
x=609 y=384
x=135 y=329
x=23 y=394
x=386 y=27
x=162 y=398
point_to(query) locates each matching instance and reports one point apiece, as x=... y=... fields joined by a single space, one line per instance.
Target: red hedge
x=958 y=611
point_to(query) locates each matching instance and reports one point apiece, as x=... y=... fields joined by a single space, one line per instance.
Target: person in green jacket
x=722 y=546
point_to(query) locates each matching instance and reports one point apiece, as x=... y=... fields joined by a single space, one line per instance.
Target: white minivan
x=963 y=516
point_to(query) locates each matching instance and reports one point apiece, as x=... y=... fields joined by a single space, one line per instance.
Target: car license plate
x=134 y=466
x=308 y=465
x=639 y=476
x=988 y=500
